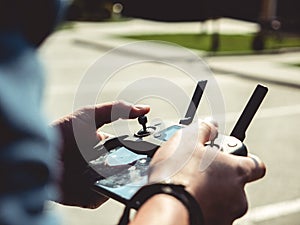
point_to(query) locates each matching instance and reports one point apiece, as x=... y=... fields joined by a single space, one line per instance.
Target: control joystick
x=145 y=131
x=143 y=120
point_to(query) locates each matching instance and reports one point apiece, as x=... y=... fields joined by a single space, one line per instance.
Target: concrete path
x=264 y=67
x=68 y=53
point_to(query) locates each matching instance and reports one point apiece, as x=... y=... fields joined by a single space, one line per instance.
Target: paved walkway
x=274 y=68
x=69 y=53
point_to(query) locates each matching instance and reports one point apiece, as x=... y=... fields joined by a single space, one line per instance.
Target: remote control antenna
x=194 y=103
x=239 y=130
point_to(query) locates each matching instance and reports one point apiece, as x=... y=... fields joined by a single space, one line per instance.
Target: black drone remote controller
x=149 y=138
x=128 y=156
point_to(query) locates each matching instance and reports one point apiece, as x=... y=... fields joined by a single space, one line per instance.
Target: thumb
x=138 y=110
x=109 y=112
x=205 y=130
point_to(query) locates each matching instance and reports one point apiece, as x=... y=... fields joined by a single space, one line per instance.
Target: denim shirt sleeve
x=28 y=166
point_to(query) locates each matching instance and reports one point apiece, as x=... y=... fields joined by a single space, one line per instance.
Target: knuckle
x=116 y=103
x=244 y=207
x=263 y=170
x=241 y=207
x=242 y=210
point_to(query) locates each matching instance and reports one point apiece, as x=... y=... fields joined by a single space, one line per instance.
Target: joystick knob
x=143 y=120
x=146 y=130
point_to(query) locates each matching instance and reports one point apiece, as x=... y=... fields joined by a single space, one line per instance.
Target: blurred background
x=244 y=43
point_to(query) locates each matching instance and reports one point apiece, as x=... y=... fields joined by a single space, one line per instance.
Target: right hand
x=219 y=189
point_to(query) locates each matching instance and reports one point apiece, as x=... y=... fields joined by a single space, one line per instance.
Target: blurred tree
x=89 y=10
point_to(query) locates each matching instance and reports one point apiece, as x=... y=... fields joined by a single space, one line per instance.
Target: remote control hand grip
x=230 y=145
x=234 y=146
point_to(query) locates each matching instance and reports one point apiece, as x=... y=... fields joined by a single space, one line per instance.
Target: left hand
x=75 y=187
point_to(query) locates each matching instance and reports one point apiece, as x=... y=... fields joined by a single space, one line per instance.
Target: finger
x=109 y=112
x=138 y=110
x=253 y=168
x=101 y=136
x=204 y=129
x=213 y=127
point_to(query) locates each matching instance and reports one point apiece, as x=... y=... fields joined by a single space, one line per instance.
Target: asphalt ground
x=273 y=135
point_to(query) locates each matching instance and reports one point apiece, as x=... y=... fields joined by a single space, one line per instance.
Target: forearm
x=162 y=209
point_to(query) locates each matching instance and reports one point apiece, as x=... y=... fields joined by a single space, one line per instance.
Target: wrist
x=177 y=192
x=162 y=209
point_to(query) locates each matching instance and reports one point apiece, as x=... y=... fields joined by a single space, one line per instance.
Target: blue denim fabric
x=27 y=144
x=28 y=147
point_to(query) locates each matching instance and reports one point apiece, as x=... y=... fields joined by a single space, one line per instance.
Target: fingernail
x=140 y=106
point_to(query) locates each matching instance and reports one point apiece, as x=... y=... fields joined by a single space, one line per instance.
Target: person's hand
x=219 y=188
x=79 y=135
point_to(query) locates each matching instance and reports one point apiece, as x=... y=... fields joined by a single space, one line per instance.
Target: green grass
x=296 y=64
x=228 y=43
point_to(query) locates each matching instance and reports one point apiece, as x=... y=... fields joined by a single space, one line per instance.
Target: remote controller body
x=123 y=167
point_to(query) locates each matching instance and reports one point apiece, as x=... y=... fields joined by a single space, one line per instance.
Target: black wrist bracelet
x=177 y=191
